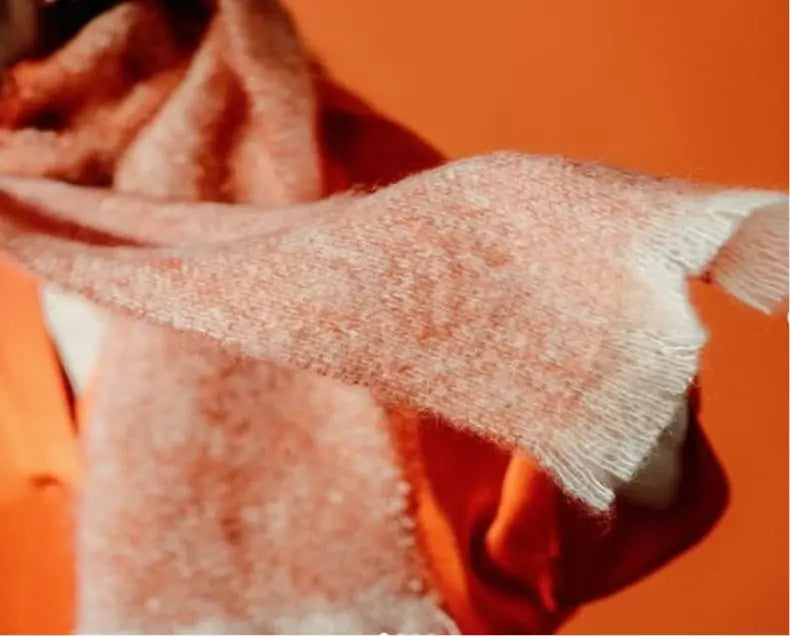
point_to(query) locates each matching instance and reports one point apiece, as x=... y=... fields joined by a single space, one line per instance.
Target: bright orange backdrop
x=695 y=88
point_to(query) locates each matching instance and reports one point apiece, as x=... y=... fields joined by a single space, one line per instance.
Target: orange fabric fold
x=39 y=467
x=43 y=450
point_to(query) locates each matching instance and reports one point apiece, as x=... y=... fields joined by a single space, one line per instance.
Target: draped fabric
x=330 y=355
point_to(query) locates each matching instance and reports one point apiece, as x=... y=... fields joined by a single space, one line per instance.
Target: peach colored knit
x=239 y=438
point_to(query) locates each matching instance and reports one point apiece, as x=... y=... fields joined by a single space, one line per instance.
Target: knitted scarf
x=296 y=291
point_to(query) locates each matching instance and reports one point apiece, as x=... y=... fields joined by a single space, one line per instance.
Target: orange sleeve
x=38 y=467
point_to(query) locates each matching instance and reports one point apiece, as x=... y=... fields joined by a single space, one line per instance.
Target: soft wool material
x=279 y=357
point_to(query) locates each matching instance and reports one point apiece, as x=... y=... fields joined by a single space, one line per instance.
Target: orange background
x=694 y=88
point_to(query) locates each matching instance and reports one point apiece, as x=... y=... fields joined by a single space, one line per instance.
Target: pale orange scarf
x=251 y=456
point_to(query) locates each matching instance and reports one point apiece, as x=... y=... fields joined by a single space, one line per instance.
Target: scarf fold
x=539 y=302
x=276 y=343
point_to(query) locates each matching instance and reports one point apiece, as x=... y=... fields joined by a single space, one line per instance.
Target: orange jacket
x=38 y=467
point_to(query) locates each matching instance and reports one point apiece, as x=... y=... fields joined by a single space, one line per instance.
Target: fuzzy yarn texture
x=276 y=336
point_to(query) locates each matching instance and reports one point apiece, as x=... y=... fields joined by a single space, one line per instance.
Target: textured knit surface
x=538 y=302
x=568 y=282
x=228 y=476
